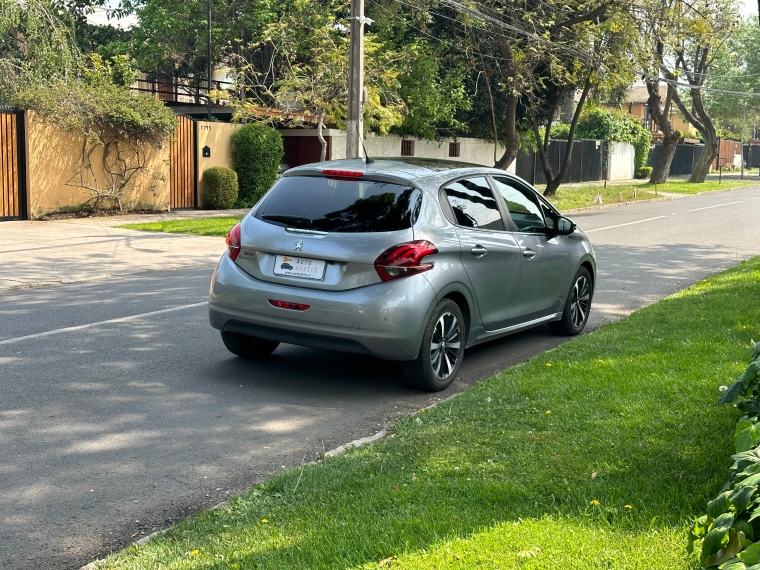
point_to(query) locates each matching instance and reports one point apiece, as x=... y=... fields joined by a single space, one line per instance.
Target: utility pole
x=208 y=56
x=355 y=122
x=744 y=122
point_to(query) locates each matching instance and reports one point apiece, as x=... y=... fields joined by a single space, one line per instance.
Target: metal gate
x=12 y=166
x=183 y=165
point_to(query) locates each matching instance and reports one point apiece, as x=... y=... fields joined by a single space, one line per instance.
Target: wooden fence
x=12 y=166
x=182 y=192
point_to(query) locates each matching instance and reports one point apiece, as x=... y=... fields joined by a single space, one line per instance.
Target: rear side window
x=473 y=204
x=334 y=205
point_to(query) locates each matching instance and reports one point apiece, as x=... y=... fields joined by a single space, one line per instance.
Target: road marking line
x=90 y=325
x=621 y=225
x=716 y=206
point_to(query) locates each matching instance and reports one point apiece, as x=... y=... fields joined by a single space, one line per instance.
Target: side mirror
x=565 y=226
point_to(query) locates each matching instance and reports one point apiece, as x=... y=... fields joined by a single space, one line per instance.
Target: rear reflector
x=343 y=173
x=404 y=259
x=233 y=242
x=287 y=305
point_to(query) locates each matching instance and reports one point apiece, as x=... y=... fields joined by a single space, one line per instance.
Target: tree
x=36 y=45
x=603 y=67
x=513 y=40
x=309 y=71
x=739 y=63
x=697 y=30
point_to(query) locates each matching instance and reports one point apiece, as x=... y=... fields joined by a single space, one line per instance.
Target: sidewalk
x=35 y=254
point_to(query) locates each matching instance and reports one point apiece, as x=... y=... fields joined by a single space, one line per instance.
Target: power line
x=485 y=18
x=711 y=89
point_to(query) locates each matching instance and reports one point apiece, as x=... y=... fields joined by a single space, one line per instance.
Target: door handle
x=529 y=253
x=478 y=251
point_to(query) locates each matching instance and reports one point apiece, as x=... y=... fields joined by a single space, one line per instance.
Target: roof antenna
x=367 y=159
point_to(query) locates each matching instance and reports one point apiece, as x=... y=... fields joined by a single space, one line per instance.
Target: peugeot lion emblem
x=299 y=245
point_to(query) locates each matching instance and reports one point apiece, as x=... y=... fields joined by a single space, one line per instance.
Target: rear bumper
x=386 y=320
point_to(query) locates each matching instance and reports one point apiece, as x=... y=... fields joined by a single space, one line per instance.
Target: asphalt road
x=126 y=422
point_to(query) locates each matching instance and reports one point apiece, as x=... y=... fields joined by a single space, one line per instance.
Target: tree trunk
x=702 y=168
x=510 y=123
x=661 y=168
x=322 y=141
x=553 y=182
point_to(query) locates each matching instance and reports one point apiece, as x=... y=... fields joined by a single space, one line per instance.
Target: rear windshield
x=330 y=205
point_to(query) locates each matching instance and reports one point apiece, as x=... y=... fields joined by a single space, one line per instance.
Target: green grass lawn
x=581 y=196
x=596 y=455
x=197 y=226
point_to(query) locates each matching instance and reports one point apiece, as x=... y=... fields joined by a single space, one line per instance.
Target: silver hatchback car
x=405 y=259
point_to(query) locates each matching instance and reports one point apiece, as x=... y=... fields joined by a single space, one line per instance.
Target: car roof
x=410 y=169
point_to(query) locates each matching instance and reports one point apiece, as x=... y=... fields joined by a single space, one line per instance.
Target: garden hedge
x=221 y=188
x=257 y=153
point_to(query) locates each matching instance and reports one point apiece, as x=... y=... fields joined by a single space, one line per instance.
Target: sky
x=748 y=7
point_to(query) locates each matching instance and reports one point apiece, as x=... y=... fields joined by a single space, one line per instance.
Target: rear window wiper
x=288 y=219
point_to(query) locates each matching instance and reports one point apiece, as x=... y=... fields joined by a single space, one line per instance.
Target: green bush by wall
x=257 y=153
x=221 y=188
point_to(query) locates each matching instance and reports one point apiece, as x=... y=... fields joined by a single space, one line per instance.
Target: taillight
x=233 y=242
x=404 y=259
x=288 y=305
x=342 y=173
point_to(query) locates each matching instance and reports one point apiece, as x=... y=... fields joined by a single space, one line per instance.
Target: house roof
x=640 y=94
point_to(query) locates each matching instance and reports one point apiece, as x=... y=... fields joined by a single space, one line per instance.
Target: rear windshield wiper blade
x=288 y=219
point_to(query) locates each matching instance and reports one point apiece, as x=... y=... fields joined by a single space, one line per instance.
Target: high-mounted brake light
x=342 y=173
x=233 y=242
x=404 y=259
x=288 y=305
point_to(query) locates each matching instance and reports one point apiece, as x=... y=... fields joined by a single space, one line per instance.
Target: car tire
x=249 y=347
x=441 y=351
x=577 y=306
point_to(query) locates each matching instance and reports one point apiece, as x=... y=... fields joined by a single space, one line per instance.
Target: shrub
x=221 y=188
x=560 y=131
x=257 y=153
x=728 y=536
x=616 y=126
x=643 y=172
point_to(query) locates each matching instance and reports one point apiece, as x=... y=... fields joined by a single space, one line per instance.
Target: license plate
x=299 y=267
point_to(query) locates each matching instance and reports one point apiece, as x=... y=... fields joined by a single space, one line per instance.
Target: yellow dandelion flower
x=194 y=552
x=595 y=503
x=548 y=363
x=628 y=506
x=548 y=412
x=265 y=521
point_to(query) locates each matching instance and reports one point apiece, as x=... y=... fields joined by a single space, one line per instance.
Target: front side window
x=523 y=208
x=337 y=205
x=473 y=204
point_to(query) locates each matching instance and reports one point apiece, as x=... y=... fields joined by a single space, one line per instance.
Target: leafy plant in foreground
x=730 y=531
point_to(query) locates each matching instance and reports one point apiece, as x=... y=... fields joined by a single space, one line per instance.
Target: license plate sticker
x=299 y=267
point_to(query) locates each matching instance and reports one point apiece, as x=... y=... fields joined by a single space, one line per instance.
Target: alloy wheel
x=580 y=303
x=445 y=345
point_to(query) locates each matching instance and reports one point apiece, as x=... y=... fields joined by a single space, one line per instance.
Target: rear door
x=545 y=262
x=491 y=256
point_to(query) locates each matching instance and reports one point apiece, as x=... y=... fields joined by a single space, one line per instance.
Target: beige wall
x=218 y=137
x=53 y=170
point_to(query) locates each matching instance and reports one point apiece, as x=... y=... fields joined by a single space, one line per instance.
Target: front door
x=490 y=255
x=545 y=264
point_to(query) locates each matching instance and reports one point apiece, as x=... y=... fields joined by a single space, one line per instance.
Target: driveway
x=121 y=411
